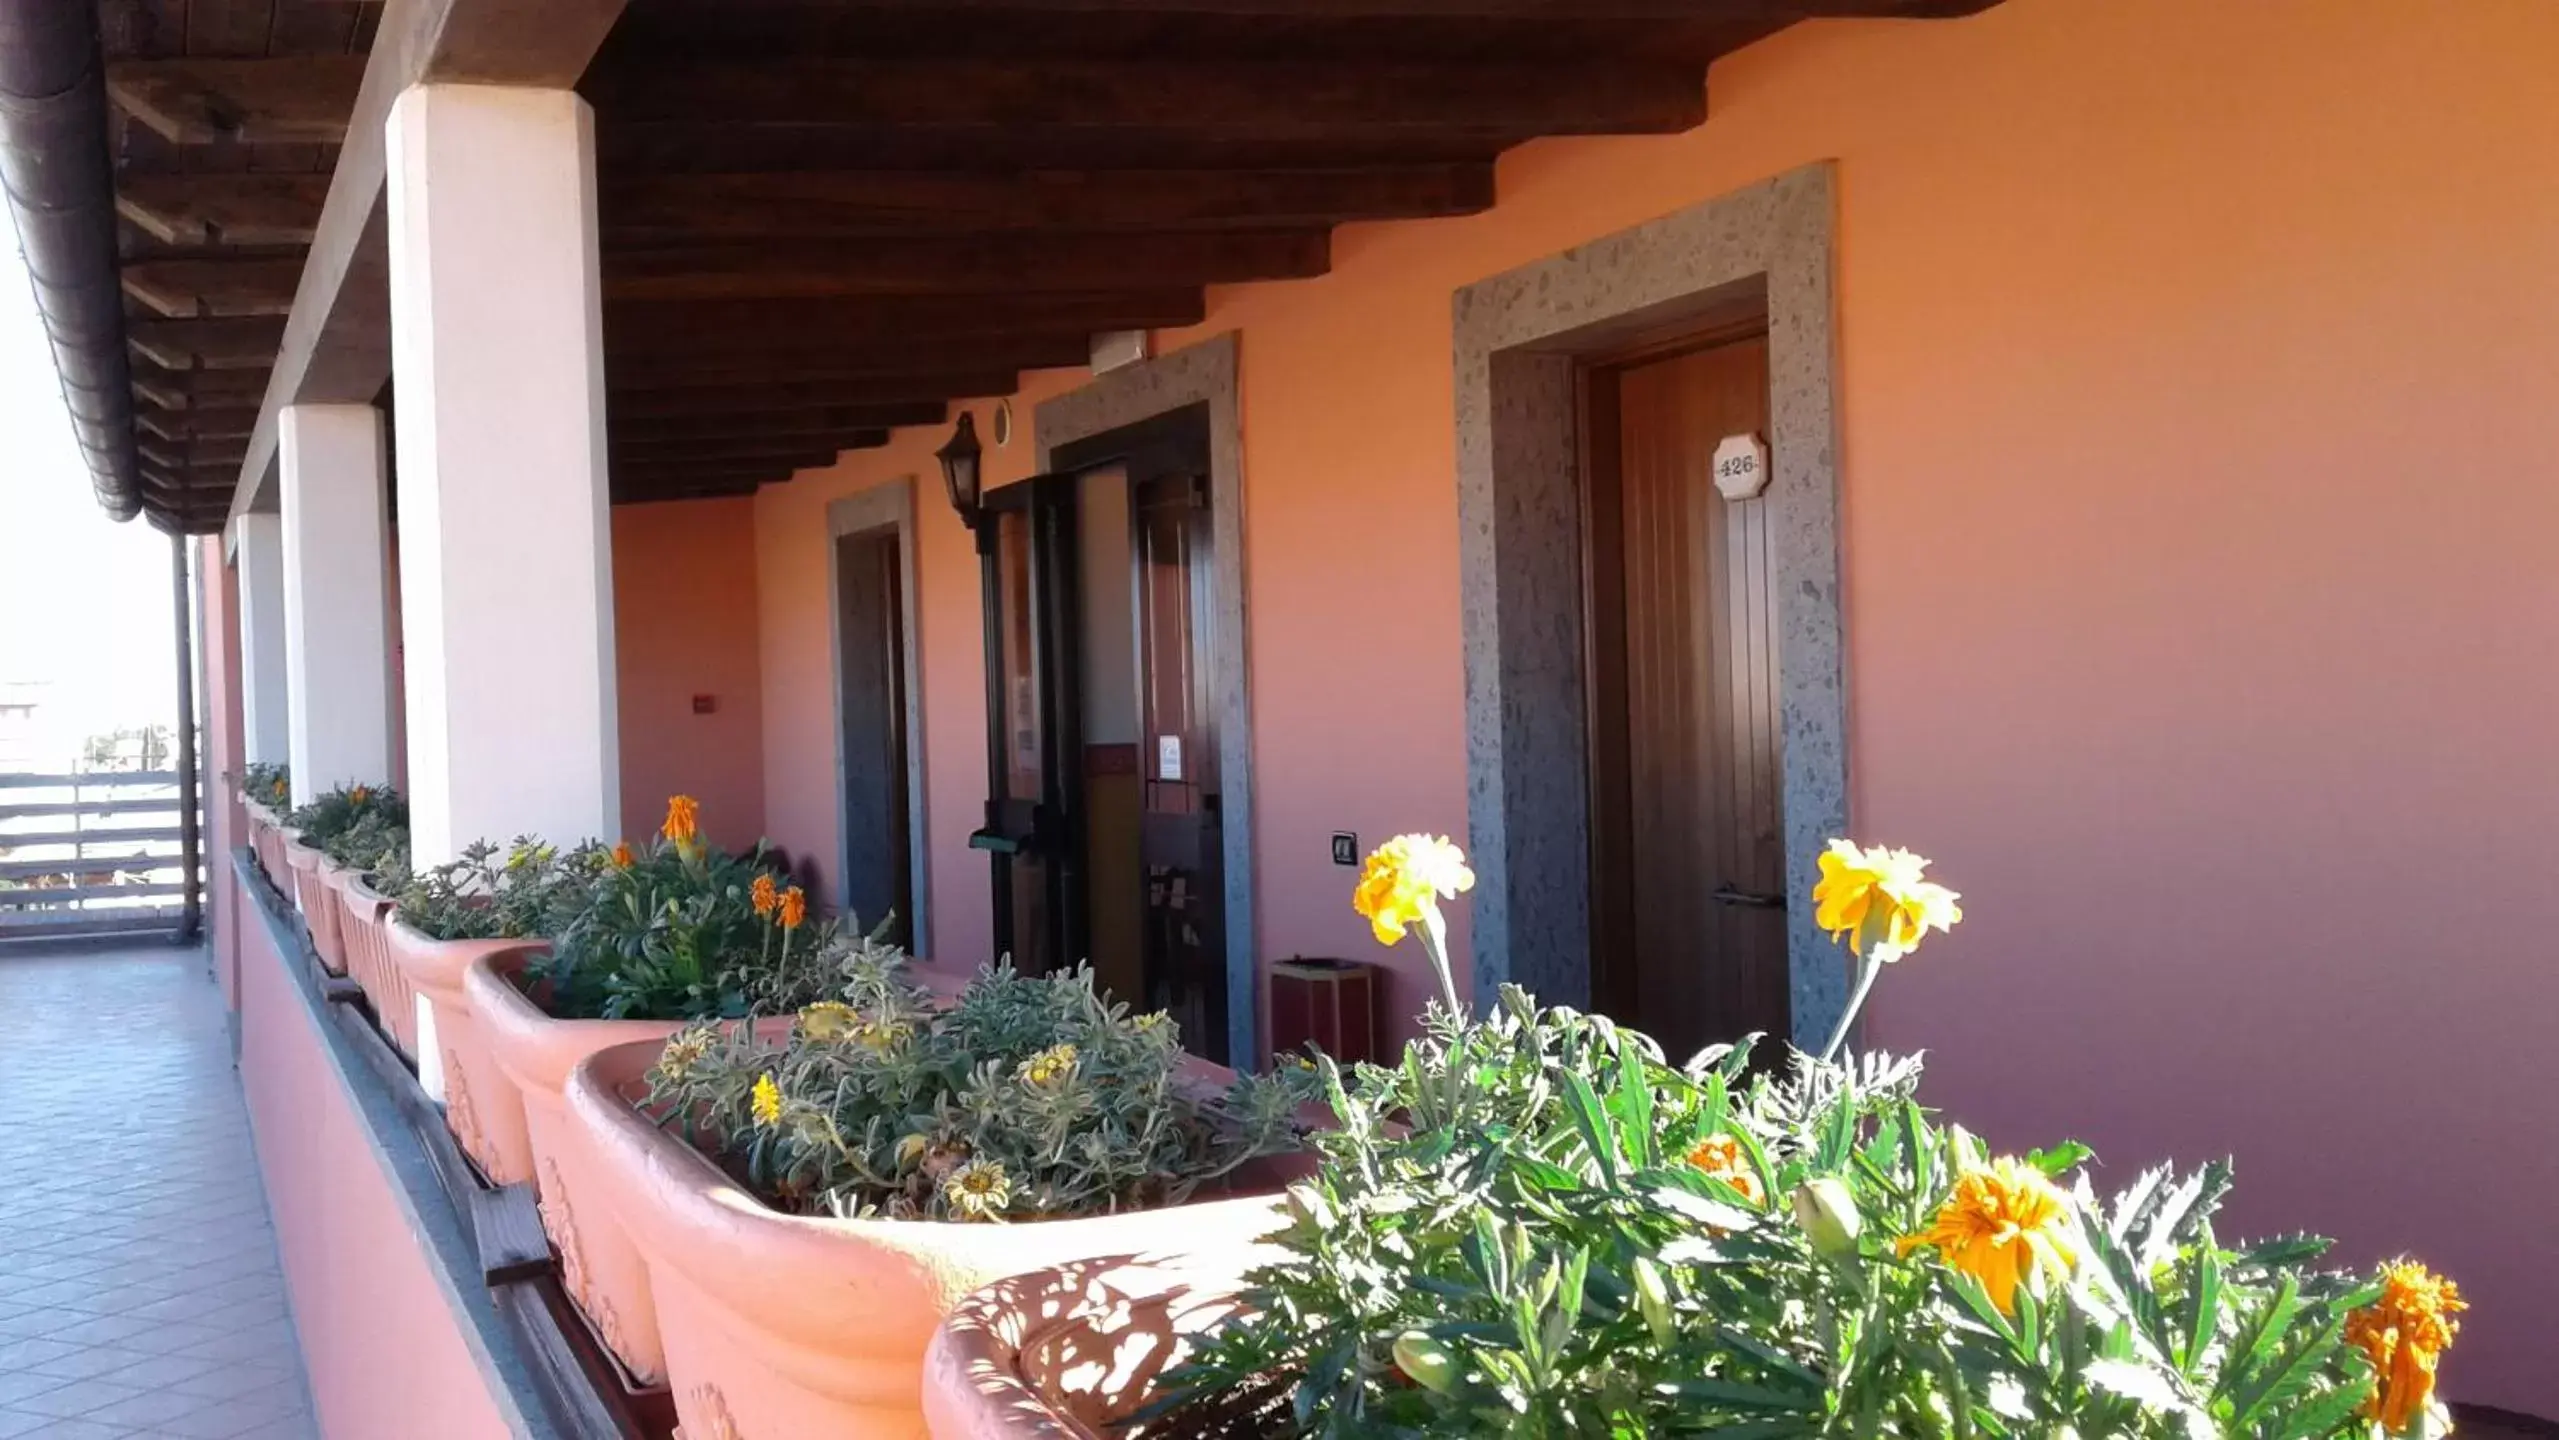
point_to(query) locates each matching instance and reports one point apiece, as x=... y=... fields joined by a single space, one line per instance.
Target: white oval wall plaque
x=1741 y=466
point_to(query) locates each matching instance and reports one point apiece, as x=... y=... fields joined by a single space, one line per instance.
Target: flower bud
x=1653 y=1299
x=1426 y=1362
x=1829 y=1215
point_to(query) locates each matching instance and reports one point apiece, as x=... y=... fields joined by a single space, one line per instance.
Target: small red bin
x=1329 y=1005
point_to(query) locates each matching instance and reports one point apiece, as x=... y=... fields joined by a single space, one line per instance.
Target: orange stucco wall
x=684 y=624
x=2199 y=423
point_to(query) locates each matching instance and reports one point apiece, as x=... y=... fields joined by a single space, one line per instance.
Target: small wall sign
x=1168 y=757
x=1345 y=848
x=1741 y=466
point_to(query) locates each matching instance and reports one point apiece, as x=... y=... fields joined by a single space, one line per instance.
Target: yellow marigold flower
x=1049 y=1068
x=2002 y=1222
x=795 y=907
x=683 y=819
x=1723 y=1158
x=621 y=854
x=763 y=895
x=1407 y=876
x=829 y=1020
x=1150 y=1022
x=911 y=1148
x=2404 y=1334
x=358 y=795
x=978 y=1190
x=768 y=1102
x=1880 y=899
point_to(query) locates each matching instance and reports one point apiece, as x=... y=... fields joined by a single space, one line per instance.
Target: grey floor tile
x=140 y=1297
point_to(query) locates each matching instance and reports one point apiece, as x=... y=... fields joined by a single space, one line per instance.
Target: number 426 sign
x=1741 y=466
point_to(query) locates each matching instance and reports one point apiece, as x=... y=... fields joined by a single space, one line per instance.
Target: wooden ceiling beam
x=650 y=429
x=905 y=202
x=235 y=344
x=798 y=452
x=290 y=100
x=223 y=209
x=1261 y=100
x=925 y=321
x=195 y=454
x=876 y=362
x=1657 y=10
x=675 y=402
x=183 y=289
x=231 y=423
x=1021 y=265
x=198 y=389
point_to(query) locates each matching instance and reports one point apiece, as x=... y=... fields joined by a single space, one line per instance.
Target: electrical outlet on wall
x=1345 y=848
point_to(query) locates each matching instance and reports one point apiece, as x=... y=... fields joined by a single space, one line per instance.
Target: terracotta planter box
x=524 y=1113
x=319 y=907
x=453 y=1060
x=1073 y=1351
x=362 y=913
x=785 y=1325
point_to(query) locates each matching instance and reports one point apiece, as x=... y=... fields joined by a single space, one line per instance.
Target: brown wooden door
x=1027 y=550
x=1688 y=915
x=1181 y=838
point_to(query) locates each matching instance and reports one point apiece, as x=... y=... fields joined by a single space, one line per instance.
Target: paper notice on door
x=1168 y=757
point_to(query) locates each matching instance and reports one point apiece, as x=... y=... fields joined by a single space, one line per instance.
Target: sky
x=84 y=601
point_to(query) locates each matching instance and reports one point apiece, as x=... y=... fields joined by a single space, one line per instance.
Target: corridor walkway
x=139 y=1292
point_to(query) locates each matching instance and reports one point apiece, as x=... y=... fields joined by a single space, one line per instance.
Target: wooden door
x=1034 y=753
x=871 y=661
x=1181 y=834
x=1688 y=857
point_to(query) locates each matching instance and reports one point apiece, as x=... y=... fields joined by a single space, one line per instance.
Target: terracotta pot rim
x=437 y=966
x=520 y=1033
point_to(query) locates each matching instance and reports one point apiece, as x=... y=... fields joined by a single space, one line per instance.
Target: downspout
x=59 y=177
x=190 y=792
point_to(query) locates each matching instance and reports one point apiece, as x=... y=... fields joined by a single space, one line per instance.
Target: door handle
x=1749 y=899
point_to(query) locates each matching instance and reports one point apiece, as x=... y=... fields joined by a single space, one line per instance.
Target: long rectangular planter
x=787 y=1325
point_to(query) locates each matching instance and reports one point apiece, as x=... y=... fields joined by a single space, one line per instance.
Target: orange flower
x=683 y=819
x=795 y=907
x=2404 y=1334
x=621 y=854
x=763 y=895
x=358 y=795
x=2002 y=1223
x=1723 y=1158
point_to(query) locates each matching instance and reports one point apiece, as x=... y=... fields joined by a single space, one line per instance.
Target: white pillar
x=506 y=562
x=336 y=604
x=258 y=552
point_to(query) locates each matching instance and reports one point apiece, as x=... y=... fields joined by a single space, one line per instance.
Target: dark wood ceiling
x=824 y=219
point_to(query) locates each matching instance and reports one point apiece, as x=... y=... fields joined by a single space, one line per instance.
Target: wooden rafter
x=233 y=423
x=910 y=202
x=1262 y=100
x=675 y=402
x=206 y=209
x=234 y=344
x=295 y=100
x=968 y=265
x=232 y=287
x=651 y=427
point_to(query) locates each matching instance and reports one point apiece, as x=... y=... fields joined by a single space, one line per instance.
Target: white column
x=336 y=605
x=506 y=562
x=258 y=552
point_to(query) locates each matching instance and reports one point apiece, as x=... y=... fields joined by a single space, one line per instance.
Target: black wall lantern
x=959 y=457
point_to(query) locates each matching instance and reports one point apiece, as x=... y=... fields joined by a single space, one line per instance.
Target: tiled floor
x=139 y=1294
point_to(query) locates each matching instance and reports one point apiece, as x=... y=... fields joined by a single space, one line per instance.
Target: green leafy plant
x=1536 y=1226
x=375 y=845
x=1029 y=1098
x=340 y=810
x=268 y=784
x=525 y=892
x=683 y=931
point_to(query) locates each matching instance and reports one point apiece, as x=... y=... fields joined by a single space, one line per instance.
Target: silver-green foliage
x=1028 y=1098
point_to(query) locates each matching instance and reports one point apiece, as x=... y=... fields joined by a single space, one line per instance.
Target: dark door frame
x=882 y=509
x=1205 y=373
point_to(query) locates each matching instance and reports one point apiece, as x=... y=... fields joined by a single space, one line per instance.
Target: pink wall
x=386 y=1357
x=684 y=622
x=2198 y=431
